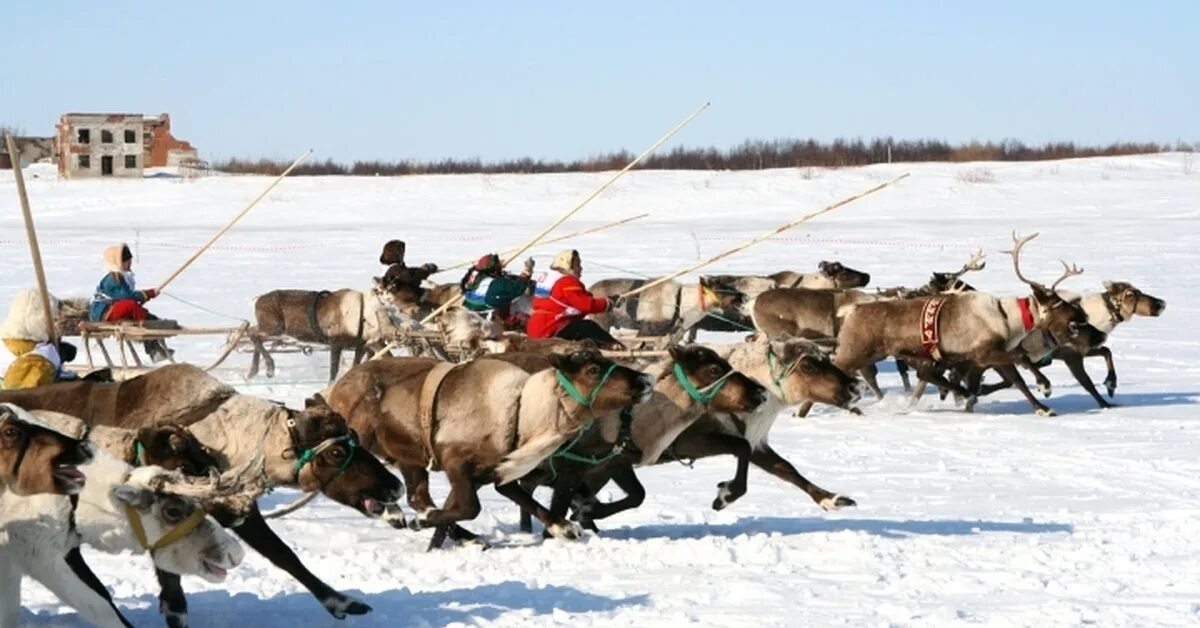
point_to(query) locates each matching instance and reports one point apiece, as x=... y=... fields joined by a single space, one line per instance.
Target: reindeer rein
x=182 y=529
x=709 y=393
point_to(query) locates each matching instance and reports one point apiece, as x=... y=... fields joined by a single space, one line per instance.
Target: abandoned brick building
x=117 y=144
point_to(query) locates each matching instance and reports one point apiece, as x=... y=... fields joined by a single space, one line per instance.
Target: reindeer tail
x=518 y=463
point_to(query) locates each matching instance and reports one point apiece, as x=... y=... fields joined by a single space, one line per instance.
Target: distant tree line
x=749 y=155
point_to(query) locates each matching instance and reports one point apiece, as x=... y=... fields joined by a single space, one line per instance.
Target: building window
x=130 y=161
x=85 y=162
x=130 y=136
x=85 y=136
x=106 y=136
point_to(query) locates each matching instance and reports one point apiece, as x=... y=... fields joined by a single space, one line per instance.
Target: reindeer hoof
x=836 y=502
x=855 y=411
x=1045 y=390
x=393 y=515
x=725 y=496
x=340 y=606
x=1045 y=412
x=565 y=530
x=1110 y=385
x=970 y=405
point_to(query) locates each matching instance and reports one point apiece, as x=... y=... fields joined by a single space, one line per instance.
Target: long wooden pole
x=561 y=219
x=31 y=234
x=233 y=222
x=566 y=236
x=749 y=243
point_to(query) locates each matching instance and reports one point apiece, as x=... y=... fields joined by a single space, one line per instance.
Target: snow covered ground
x=995 y=518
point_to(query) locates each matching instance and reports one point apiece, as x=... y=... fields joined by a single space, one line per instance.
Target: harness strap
x=173 y=535
x=1114 y=310
x=777 y=376
x=1026 y=313
x=102 y=403
x=574 y=392
x=930 y=338
x=313 y=323
x=427 y=411
x=709 y=393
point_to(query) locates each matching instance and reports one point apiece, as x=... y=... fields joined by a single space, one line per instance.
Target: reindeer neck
x=1103 y=312
x=243 y=424
x=99 y=519
x=1021 y=317
x=119 y=442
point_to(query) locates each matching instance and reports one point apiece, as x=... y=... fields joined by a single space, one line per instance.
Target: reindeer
x=829 y=276
x=480 y=421
x=352 y=319
x=692 y=381
x=1119 y=302
x=40 y=457
x=313 y=450
x=972 y=327
x=144 y=509
x=665 y=309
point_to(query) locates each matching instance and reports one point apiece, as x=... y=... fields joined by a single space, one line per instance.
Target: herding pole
x=31 y=234
x=749 y=243
x=162 y=286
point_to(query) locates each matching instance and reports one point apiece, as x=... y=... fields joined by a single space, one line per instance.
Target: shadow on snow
x=790 y=526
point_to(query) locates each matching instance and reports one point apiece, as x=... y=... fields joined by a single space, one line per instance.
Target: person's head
x=118 y=258
x=393 y=253
x=66 y=351
x=568 y=262
x=488 y=264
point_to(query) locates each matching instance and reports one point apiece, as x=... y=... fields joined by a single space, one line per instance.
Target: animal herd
x=171 y=462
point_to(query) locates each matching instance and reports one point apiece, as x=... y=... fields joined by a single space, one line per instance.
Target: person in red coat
x=560 y=303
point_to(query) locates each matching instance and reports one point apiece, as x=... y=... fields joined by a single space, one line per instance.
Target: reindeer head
x=801 y=370
x=1064 y=320
x=843 y=277
x=175 y=448
x=405 y=298
x=710 y=375
x=36 y=457
x=337 y=464
x=721 y=293
x=1129 y=301
x=606 y=385
x=952 y=282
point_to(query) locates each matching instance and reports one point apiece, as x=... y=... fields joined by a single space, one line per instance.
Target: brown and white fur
x=976 y=328
x=664 y=309
x=40 y=535
x=40 y=457
x=492 y=422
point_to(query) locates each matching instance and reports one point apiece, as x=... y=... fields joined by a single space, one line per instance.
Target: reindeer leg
x=416 y=481
x=559 y=528
x=803 y=409
x=902 y=369
x=258 y=535
x=626 y=479
x=1110 y=380
x=768 y=460
x=1074 y=362
x=526 y=520
x=704 y=444
x=335 y=361
x=461 y=505
x=1043 y=384
x=1009 y=372
x=171 y=601
x=869 y=374
x=932 y=375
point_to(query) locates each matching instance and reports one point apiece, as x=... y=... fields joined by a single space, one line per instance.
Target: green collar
x=309 y=454
x=778 y=375
x=701 y=396
x=574 y=392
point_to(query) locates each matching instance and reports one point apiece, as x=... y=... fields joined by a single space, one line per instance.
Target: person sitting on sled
x=486 y=287
x=560 y=303
x=118 y=299
x=27 y=336
x=398 y=273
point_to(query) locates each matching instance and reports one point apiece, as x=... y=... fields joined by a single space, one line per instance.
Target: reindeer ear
x=136 y=496
x=779 y=348
x=316 y=401
x=676 y=352
x=1108 y=286
x=560 y=361
x=178 y=443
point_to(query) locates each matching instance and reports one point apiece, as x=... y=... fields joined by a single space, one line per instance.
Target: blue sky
x=557 y=80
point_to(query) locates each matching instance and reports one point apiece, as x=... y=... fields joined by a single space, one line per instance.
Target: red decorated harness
x=929 y=327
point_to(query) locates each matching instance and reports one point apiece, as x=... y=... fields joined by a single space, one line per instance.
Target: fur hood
x=393 y=253
x=25 y=320
x=113 y=255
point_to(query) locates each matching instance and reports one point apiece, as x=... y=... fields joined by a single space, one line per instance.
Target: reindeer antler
x=1018 y=244
x=1068 y=271
x=975 y=263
